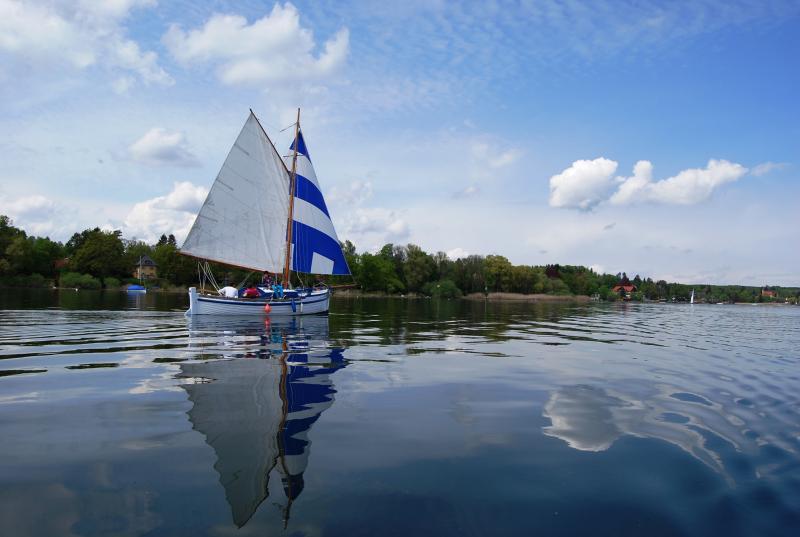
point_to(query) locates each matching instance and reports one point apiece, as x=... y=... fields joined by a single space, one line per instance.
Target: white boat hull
x=315 y=302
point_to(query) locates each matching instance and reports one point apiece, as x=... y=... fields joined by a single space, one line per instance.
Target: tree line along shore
x=97 y=259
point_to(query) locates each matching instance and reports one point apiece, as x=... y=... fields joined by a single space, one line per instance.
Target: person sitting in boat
x=277 y=290
x=229 y=292
x=251 y=292
x=267 y=280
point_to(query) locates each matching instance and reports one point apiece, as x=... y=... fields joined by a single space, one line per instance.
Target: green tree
x=20 y=255
x=442 y=289
x=172 y=266
x=444 y=266
x=418 y=268
x=8 y=233
x=377 y=274
x=135 y=249
x=44 y=254
x=606 y=293
x=558 y=287
x=498 y=273
x=77 y=240
x=83 y=281
x=523 y=279
x=99 y=253
x=24 y=255
x=396 y=254
x=350 y=255
x=470 y=274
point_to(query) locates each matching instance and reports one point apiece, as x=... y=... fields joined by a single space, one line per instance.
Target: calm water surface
x=118 y=416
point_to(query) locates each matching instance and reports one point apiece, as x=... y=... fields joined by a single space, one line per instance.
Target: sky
x=655 y=138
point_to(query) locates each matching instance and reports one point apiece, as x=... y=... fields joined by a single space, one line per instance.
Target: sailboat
x=265 y=213
x=691 y=298
x=138 y=288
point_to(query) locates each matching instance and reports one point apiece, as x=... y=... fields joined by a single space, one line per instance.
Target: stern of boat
x=192 y=301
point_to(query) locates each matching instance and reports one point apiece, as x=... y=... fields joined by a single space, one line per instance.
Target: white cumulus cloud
x=584 y=184
x=172 y=213
x=457 y=253
x=494 y=156
x=127 y=55
x=160 y=147
x=588 y=183
x=79 y=34
x=766 y=167
x=38 y=32
x=373 y=227
x=356 y=193
x=34 y=214
x=632 y=187
x=40 y=215
x=273 y=48
x=687 y=188
x=467 y=192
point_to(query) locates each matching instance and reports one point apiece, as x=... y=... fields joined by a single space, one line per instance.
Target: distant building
x=145 y=268
x=624 y=289
x=769 y=292
x=628 y=288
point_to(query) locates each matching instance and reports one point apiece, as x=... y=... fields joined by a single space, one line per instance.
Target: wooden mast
x=286 y=269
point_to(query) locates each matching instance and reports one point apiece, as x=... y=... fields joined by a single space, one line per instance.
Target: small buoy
x=267 y=308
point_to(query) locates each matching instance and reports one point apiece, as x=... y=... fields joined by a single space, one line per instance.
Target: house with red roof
x=624 y=288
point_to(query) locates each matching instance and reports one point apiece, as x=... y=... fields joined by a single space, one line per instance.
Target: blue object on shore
x=134 y=288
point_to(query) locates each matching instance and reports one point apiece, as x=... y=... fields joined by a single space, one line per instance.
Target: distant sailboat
x=691 y=298
x=267 y=214
x=138 y=288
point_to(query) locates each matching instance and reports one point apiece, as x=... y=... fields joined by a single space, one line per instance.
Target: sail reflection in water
x=256 y=408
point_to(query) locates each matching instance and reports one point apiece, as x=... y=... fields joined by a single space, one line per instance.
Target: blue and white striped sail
x=315 y=245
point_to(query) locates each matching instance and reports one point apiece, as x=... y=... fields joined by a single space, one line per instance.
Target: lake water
x=118 y=416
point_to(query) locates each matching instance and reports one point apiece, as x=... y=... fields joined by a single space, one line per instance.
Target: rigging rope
x=241 y=284
x=206 y=274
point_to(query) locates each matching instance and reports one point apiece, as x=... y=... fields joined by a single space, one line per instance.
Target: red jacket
x=250 y=292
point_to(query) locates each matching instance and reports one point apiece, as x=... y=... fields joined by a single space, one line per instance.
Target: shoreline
x=490 y=297
x=520 y=297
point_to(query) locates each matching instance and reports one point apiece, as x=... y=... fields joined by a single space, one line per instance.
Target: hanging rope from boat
x=244 y=281
x=206 y=274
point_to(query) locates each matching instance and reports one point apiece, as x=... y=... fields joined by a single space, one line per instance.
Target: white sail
x=243 y=220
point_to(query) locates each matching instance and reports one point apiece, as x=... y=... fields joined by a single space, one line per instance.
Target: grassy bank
x=520 y=297
x=492 y=297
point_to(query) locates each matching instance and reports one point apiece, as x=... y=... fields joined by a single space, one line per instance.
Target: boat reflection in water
x=256 y=407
